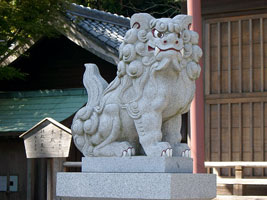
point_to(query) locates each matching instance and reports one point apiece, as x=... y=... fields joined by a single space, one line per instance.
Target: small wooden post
x=238 y=188
x=54 y=165
x=216 y=171
x=42 y=180
x=57 y=166
x=49 y=177
x=30 y=179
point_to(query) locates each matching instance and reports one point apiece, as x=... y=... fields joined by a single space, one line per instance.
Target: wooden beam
x=262 y=55
x=49 y=179
x=236 y=100
x=240 y=55
x=207 y=59
x=235 y=18
x=250 y=57
x=242 y=181
x=207 y=132
x=219 y=130
x=219 y=56
x=236 y=163
x=57 y=166
x=72 y=164
x=230 y=134
x=251 y=131
x=42 y=179
x=229 y=58
x=240 y=132
x=236 y=95
x=30 y=179
x=263 y=134
x=229 y=6
x=238 y=188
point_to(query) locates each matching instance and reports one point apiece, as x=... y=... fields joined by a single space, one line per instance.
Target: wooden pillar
x=54 y=165
x=57 y=167
x=238 y=188
x=30 y=179
x=197 y=106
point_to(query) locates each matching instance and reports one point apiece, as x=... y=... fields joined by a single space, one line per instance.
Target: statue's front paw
x=128 y=152
x=165 y=149
x=167 y=153
x=181 y=150
x=159 y=149
x=186 y=153
x=124 y=149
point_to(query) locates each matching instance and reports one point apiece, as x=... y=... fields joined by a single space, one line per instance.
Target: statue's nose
x=171 y=39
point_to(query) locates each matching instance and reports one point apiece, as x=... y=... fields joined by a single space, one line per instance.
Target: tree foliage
x=7 y=73
x=22 y=21
x=157 y=8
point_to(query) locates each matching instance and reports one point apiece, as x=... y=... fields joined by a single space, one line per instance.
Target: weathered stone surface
x=136 y=186
x=137 y=164
x=140 y=111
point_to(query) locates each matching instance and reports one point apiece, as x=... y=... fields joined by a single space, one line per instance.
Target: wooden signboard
x=47 y=139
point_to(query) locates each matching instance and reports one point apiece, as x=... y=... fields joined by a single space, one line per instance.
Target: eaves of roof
x=19 y=111
x=97 y=31
x=8 y=58
x=104 y=29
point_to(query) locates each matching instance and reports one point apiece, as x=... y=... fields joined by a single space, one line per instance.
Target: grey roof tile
x=103 y=38
x=94 y=33
x=111 y=43
x=106 y=27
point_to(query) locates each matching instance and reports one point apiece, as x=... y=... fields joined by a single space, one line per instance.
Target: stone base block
x=137 y=164
x=135 y=186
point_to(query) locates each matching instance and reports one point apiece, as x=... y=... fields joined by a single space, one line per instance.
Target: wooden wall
x=13 y=162
x=235 y=60
x=55 y=63
x=231 y=7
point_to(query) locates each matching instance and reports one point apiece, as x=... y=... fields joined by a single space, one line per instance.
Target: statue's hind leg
x=150 y=135
x=172 y=133
x=109 y=129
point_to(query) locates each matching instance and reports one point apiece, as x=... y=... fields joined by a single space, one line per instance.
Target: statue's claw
x=186 y=153
x=166 y=153
x=128 y=152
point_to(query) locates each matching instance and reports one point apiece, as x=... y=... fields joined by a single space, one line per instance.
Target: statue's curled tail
x=86 y=120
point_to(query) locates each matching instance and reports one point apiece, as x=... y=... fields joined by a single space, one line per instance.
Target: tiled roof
x=19 y=111
x=108 y=28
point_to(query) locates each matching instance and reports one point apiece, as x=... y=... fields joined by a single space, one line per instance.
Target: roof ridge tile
x=100 y=15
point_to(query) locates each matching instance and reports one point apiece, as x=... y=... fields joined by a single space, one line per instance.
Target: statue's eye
x=179 y=35
x=157 y=34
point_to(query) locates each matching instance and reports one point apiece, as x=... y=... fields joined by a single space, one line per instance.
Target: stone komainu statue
x=140 y=111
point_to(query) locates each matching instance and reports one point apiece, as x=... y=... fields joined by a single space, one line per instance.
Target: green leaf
x=9 y=73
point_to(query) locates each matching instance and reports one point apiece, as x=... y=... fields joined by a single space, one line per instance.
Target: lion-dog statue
x=139 y=112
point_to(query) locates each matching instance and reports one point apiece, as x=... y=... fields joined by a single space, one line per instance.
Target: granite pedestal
x=136 y=182
x=137 y=164
x=136 y=185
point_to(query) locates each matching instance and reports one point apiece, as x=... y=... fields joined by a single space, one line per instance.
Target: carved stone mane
x=140 y=111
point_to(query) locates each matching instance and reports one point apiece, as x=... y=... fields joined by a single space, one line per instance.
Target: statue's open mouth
x=157 y=50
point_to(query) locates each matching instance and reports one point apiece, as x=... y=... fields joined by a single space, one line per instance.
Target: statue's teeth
x=182 y=52
x=156 y=51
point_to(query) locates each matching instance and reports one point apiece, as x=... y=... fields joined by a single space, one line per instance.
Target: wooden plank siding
x=235 y=63
x=55 y=63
